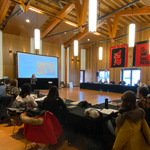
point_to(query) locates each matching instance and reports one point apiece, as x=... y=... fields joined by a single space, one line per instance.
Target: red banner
x=119 y=56
x=141 y=54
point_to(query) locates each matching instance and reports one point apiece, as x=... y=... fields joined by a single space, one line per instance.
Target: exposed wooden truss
x=4 y=6
x=78 y=37
x=81 y=11
x=55 y=21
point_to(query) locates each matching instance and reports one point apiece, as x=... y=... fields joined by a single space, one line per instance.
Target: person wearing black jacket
x=55 y=104
x=144 y=101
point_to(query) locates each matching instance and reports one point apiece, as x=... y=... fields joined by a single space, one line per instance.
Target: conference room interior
x=74 y=52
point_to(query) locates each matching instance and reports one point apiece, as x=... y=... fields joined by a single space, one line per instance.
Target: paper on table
x=40 y=99
x=108 y=111
x=71 y=107
x=113 y=103
x=74 y=103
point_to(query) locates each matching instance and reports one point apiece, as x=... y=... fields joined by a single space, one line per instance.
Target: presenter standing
x=33 y=82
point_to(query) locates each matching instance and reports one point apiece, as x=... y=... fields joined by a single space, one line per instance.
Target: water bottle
x=106 y=103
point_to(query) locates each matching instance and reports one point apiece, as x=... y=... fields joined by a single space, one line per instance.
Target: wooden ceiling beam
x=56 y=6
x=115 y=24
x=78 y=37
x=112 y=28
x=109 y=25
x=4 y=6
x=24 y=7
x=134 y=12
x=68 y=7
x=81 y=11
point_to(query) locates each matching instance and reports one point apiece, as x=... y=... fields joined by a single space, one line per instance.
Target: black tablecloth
x=76 y=115
x=108 y=87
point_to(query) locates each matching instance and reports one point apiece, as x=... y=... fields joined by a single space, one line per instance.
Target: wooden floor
x=8 y=141
x=93 y=97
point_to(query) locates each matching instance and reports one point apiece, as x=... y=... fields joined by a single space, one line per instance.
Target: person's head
x=33 y=75
x=142 y=92
x=128 y=100
x=14 y=82
x=7 y=82
x=139 y=81
x=26 y=90
x=53 y=93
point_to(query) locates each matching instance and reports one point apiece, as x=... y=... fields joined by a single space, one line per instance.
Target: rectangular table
x=108 y=87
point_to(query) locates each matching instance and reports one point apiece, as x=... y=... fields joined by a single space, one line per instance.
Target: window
x=131 y=76
x=103 y=75
x=82 y=76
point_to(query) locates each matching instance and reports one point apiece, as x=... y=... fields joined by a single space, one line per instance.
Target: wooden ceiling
x=42 y=14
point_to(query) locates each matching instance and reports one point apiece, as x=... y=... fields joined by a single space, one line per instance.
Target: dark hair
x=13 y=82
x=26 y=90
x=7 y=81
x=143 y=91
x=53 y=93
x=128 y=100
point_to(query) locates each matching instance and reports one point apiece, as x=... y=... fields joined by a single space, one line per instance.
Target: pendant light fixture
x=76 y=48
x=132 y=33
x=92 y=15
x=37 y=36
x=100 y=53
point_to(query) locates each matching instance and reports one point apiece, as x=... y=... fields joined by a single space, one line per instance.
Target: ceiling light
x=27 y=20
x=76 y=48
x=100 y=53
x=37 y=38
x=131 y=35
x=88 y=39
x=92 y=15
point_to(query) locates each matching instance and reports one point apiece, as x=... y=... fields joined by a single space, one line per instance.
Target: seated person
x=144 y=102
x=54 y=104
x=122 y=82
x=12 y=89
x=3 y=87
x=112 y=82
x=139 y=83
x=24 y=96
x=105 y=82
x=132 y=131
x=100 y=81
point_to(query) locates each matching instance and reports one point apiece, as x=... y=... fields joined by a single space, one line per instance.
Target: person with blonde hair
x=132 y=131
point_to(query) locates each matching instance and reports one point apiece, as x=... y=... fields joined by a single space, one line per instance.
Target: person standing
x=33 y=82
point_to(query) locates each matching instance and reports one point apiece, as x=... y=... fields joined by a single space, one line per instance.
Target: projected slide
x=41 y=66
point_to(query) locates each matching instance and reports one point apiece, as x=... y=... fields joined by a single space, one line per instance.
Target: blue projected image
x=41 y=66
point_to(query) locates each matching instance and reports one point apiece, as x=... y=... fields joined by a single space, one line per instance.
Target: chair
x=50 y=83
x=4 y=103
x=43 y=129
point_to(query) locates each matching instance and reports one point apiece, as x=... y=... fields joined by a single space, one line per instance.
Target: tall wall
x=74 y=67
x=93 y=64
x=17 y=43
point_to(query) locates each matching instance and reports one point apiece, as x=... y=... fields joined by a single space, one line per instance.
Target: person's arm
x=32 y=102
x=62 y=104
x=146 y=131
x=123 y=134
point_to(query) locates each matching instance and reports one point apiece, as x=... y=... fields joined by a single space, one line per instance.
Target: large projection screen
x=40 y=65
